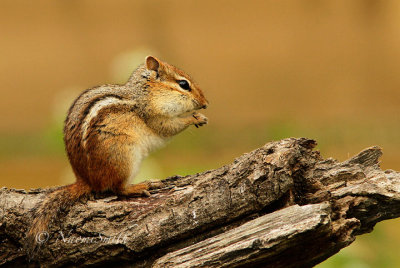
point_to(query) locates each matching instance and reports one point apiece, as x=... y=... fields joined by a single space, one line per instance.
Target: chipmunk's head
x=172 y=91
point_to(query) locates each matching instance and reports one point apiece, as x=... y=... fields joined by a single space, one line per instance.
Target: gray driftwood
x=281 y=205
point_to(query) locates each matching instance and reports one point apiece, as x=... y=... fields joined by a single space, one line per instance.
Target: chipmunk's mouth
x=199 y=106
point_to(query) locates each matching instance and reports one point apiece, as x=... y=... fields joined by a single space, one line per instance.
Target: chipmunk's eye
x=184 y=84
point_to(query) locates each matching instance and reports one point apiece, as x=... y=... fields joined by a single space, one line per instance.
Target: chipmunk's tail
x=60 y=200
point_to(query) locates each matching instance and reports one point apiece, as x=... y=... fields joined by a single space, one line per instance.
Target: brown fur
x=110 y=129
x=56 y=202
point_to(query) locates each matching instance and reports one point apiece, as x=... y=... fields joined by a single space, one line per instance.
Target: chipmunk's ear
x=152 y=63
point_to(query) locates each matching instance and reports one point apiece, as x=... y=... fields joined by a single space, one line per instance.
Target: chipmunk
x=110 y=129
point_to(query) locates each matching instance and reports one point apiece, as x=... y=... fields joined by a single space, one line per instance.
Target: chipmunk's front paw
x=200 y=119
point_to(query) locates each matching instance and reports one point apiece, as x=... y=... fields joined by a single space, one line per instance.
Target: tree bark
x=281 y=205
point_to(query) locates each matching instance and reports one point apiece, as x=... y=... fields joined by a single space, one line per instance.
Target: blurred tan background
x=328 y=70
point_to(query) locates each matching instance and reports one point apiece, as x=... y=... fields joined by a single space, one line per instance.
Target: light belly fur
x=139 y=151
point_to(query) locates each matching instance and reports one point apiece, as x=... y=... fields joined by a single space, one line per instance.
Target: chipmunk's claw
x=200 y=120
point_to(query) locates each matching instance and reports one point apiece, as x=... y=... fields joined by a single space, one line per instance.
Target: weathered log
x=281 y=205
